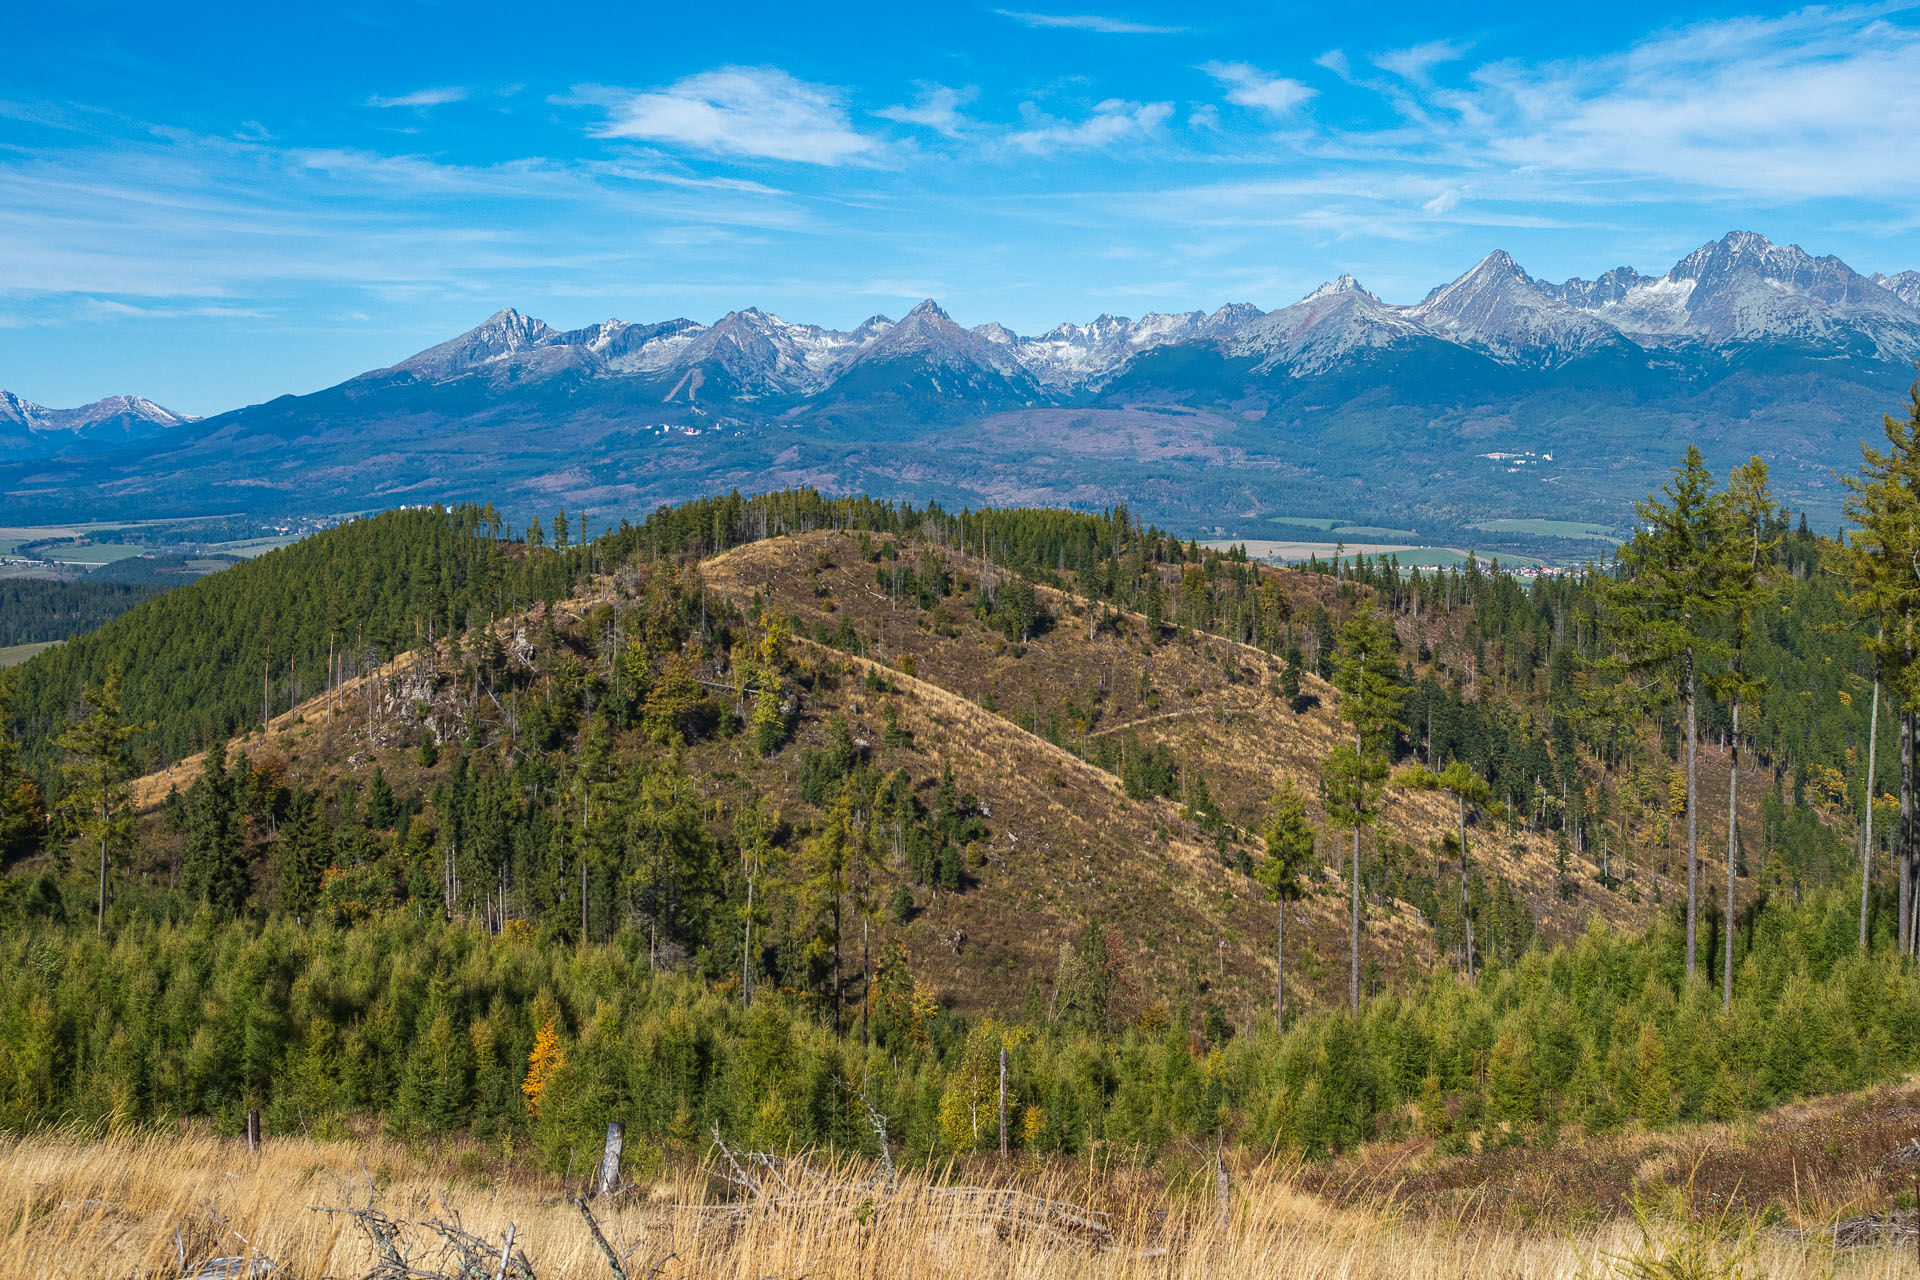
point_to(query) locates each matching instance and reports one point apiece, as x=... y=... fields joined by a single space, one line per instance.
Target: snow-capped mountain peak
x=1339 y=284
x=1083 y=355
x=1501 y=309
x=1324 y=328
x=115 y=420
x=503 y=333
x=927 y=309
x=1744 y=289
x=995 y=332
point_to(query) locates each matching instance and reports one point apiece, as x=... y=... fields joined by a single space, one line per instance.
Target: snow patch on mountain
x=1905 y=286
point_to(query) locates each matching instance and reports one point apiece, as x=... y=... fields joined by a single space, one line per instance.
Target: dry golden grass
x=133 y=1205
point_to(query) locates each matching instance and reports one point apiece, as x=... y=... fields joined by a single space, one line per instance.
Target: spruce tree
x=96 y=764
x=23 y=818
x=1370 y=698
x=305 y=840
x=1663 y=611
x=214 y=869
x=1289 y=841
x=1884 y=506
x=1747 y=546
x=1467 y=788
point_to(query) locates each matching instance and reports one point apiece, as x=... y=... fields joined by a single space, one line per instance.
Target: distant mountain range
x=31 y=430
x=1496 y=394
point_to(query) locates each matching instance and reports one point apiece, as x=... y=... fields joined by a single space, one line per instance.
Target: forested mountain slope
x=1114 y=777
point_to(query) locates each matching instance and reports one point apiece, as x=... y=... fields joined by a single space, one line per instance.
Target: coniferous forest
x=428 y=824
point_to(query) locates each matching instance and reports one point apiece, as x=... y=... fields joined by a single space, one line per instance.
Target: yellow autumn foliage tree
x=541 y=1065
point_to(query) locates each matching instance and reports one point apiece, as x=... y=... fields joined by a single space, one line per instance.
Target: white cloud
x=1112 y=121
x=421 y=99
x=1088 y=22
x=109 y=307
x=1417 y=63
x=1335 y=60
x=761 y=112
x=1818 y=103
x=937 y=108
x=1205 y=117
x=1248 y=86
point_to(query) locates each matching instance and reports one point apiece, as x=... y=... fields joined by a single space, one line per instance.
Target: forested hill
x=208 y=657
x=215 y=655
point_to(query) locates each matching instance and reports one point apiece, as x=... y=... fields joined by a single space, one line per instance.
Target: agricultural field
x=90 y=555
x=1341 y=528
x=13 y=655
x=1551 y=528
x=1373 y=531
x=1277 y=551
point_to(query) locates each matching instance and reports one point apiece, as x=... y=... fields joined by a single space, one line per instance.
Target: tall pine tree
x=1662 y=616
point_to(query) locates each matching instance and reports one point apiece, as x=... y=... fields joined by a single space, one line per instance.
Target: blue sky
x=213 y=205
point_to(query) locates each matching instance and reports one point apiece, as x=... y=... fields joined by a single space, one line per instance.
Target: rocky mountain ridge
x=1739 y=290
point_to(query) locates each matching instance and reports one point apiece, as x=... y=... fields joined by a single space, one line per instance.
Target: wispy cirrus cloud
x=1111 y=121
x=1248 y=86
x=421 y=99
x=760 y=113
x=936 y=107
x=1816 y=103
x=1089 y=22
x=1417 y=63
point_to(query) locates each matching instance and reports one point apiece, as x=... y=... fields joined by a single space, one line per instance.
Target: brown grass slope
x=1758 y=1199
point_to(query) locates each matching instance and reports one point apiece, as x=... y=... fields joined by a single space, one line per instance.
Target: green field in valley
x=1280 y=551
x=1550 y=528
x=13 y=655
x=91 y=554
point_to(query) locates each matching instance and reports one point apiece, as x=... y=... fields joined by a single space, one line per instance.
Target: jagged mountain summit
x=1072 y=354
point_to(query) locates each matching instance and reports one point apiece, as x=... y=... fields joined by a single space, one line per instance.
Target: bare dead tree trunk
x=746 y=953
x=1280 y=967
x=1866 y=820
x=1466 y=903
x=1905 y=935
x=1353 y=978
x=1733 y=850
x=1003 y=1103
x=1693 y=824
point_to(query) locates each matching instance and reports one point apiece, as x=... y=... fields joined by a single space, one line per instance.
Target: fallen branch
x=613 y=1259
